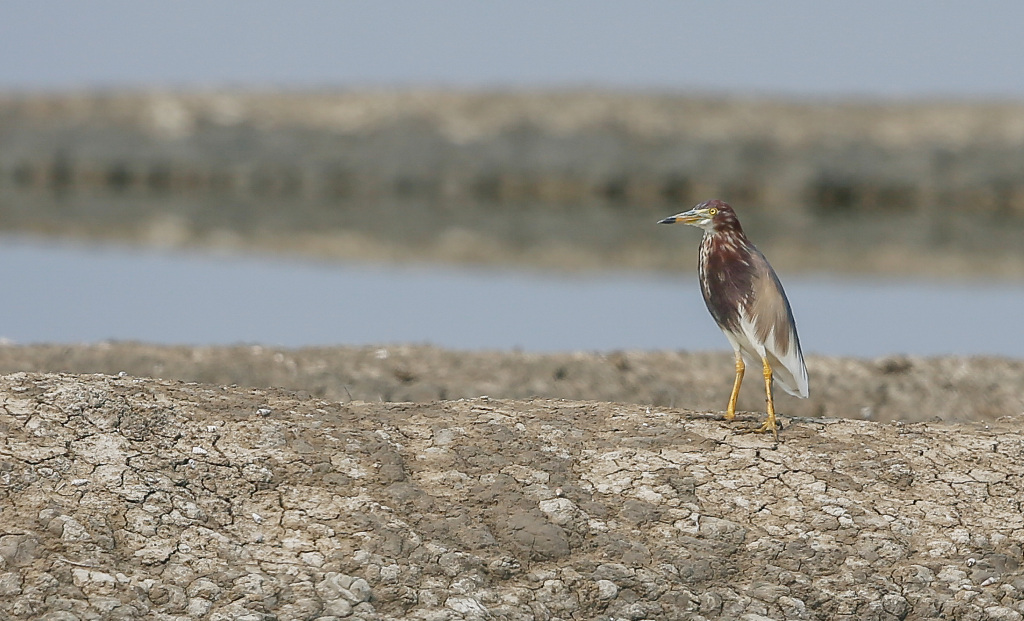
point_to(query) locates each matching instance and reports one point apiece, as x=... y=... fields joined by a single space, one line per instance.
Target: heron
x=746 y=299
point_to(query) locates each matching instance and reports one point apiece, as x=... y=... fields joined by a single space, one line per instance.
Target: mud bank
x=132 y=498
x=907 y=388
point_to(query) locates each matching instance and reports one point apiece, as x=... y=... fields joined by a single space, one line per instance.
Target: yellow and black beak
x=687 y=217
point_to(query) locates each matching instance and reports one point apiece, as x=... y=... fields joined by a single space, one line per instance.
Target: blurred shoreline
x=547 y=179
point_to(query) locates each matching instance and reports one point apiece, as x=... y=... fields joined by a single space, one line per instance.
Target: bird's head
x=712 y=216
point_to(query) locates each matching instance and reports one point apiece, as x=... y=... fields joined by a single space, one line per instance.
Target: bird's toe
x=772 y=427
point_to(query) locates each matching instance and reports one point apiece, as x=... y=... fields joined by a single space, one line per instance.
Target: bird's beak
x=687 y=217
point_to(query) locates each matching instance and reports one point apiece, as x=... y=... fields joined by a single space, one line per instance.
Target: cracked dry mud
x=132 y=498
x=898 y=387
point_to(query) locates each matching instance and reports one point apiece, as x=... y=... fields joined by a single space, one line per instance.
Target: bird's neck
x=722 y=243
x=733 y=235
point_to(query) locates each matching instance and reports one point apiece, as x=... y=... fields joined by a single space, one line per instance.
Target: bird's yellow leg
x=730 y=412
x=769 y=424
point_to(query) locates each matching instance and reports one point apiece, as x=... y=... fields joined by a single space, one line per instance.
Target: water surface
x=74 y=294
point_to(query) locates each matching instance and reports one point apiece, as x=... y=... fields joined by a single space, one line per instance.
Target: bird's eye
x=712 y=211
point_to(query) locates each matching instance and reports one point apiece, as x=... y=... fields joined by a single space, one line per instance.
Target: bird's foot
x=769 y=426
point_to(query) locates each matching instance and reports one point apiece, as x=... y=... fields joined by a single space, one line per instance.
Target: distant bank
x=552 y=179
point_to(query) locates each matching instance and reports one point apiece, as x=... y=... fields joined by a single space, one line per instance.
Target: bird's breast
x=727 y=275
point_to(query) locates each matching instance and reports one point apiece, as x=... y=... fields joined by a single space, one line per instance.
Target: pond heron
x=747 y=301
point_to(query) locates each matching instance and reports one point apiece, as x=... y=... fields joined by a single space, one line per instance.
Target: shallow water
x=74 y=294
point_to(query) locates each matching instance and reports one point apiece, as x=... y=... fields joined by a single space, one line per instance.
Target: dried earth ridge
x=124 y=497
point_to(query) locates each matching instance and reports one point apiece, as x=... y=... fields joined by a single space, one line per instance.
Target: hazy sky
x=867 y=47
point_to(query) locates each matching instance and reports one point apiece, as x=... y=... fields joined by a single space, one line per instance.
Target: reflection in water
x=72 y=294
